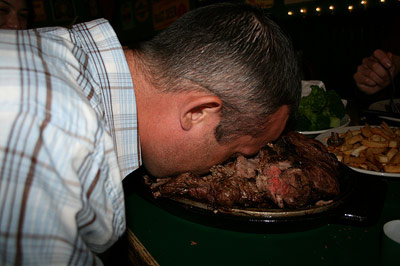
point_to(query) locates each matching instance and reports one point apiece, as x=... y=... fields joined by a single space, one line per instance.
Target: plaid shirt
x=68 y=135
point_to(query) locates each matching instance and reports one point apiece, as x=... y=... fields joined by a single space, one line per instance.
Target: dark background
x=330 y=44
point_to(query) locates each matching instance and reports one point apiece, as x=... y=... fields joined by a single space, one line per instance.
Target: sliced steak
x=294 y=172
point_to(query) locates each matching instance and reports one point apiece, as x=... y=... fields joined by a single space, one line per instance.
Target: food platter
x=359 y=204
x=323 y=137
x=265 y=219
x=381 y=106
x=343 y=123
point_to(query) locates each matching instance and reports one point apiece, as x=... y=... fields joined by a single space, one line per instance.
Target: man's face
x=13 y=14
x=198 y=153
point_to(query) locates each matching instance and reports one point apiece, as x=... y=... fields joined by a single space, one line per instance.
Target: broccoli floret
x=321 y=121
x=319 y=110
x=335 y=122
x=317 y=99
x=317 y=120
x=335 y=104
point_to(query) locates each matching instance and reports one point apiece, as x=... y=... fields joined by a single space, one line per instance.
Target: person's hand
x=372 y=75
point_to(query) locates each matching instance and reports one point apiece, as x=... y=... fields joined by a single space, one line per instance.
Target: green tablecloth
x=172 y=240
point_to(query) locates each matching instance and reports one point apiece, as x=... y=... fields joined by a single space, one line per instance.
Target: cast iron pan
x=359 y=203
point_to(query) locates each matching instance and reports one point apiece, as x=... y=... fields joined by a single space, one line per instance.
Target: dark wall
x=332 y=46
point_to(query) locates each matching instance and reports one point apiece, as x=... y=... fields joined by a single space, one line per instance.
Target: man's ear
x=195 y=110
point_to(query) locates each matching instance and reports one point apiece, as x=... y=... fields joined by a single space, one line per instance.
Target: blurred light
x=318 y=9
x=290 y=13
x=331 y=7
x=303 y=10
x=350 y=8
x=363 y=2
x=382 y=1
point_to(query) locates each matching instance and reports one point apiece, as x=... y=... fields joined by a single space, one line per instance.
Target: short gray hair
x=233 y=51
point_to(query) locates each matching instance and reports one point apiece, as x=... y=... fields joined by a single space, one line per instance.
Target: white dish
x=381 y=106
x=343 y=123
x=323 y=137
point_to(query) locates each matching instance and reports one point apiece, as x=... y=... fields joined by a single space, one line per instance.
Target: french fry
x=392 y=168
x=396 y=159
x=346 y=147
x=386 y=127
x=339 y=157
x=375 y=148
x=366 y=131
x=372 y=167
x=376 y=138
x=363 y=166
x=382 y=158
x=348 y=152
x=393 y=144
x=356 y=152
x=391 y=153
x=380 y=132
x=355 y=139
x=370 y=156
x=331 y=148
x=374 y=144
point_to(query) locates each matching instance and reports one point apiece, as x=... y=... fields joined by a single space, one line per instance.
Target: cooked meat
x=294 y=172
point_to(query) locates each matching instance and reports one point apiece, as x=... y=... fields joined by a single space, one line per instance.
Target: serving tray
x=359 y=203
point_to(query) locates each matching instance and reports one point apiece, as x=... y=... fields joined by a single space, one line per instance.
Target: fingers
x=386 y=59
x=366 y=84
x=372 y=74
x=367 y=80
x=383 y=57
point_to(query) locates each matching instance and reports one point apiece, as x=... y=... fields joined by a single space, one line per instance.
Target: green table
x=172 y=240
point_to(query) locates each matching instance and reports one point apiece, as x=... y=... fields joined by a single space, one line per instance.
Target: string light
x=318 y=9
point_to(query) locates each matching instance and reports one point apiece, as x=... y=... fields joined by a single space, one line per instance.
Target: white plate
x=323 y=137
x=381 y=106
x=343 y=123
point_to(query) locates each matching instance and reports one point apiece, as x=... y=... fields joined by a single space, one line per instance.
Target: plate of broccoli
x=320 y=111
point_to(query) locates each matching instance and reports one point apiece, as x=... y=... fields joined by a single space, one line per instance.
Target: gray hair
x=233 y=51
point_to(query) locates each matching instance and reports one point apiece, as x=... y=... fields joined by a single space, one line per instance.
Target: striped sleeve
x=61 y=198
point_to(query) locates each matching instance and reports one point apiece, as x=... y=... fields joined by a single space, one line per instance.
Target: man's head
x=241 y=66
x=14 y=14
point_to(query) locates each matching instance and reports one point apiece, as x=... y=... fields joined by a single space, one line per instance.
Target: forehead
x=273 y=129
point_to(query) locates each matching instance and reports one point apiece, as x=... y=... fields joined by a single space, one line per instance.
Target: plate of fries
x=367 y=149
